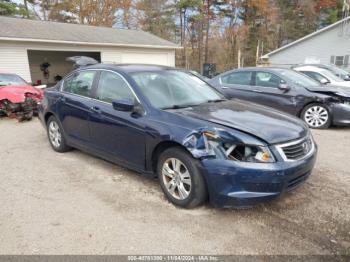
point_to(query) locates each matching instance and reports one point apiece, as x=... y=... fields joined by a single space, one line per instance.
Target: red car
x=18 y=98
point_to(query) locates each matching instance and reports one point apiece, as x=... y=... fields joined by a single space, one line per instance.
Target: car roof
x=267 y=69
x=131 y=68
x=309 y=68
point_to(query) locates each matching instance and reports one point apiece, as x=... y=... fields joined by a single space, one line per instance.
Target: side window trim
x=95 y=84
x=253 y=79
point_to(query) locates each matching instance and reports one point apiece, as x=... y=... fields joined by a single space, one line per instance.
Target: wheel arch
x=160 y=148
x=47 y=116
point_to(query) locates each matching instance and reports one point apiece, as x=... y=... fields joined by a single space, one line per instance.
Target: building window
x=346 y=60
x=342 y=61
x=339 y=60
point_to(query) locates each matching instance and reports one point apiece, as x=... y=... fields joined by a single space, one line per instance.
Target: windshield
x=11 y=80
x=172 y=89
x=337 y=70
x=330 y=75
x=298 y=78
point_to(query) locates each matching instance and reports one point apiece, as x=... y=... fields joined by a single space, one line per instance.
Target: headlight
x=248 y=153
x=221 y=144
x=237 y=151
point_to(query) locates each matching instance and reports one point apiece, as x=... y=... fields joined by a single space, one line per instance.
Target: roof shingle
x=55 y=31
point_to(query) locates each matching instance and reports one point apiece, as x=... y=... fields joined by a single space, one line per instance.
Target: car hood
x=331 y=89
x=17 y=94
x=345 y=84
x=263 y=122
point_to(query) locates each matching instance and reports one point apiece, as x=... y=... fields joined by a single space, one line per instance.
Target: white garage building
x=26 y=44
x=328 y=45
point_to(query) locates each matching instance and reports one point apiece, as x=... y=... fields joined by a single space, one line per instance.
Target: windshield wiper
x=179 y=106
x=216 y=100
x=191 y=105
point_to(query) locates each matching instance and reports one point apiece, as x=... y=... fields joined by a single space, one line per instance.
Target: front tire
x=316 y=116
x=180 y=178
x=56 y=136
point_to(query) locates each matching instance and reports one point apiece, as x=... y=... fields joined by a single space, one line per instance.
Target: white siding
x=111 y=56
x=320 y=47
x=14 y=58
x=140 y=56
x=145 y=57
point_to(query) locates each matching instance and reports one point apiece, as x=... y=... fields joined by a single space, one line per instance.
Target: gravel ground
x=74 y=203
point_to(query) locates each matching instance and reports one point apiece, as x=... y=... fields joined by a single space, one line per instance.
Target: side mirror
x=284 y=87
x=125 y=105
x=324 y=81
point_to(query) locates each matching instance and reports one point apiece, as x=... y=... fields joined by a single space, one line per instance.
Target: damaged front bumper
x=244 y=185
x=242 y=178
x=21 y=111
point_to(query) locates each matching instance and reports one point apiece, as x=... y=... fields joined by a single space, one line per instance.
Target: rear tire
x=317 y=116
x=180 y=178
x=56 y=135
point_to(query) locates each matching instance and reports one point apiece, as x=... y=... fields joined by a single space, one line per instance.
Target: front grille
x=296 y=150
x=262 y=187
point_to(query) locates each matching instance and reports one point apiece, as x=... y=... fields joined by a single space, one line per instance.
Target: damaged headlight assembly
x=248 y=153
x=224 y=146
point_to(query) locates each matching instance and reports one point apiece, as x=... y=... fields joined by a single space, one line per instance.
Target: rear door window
x=267 y=79
x=80 y=83
x=237 y=78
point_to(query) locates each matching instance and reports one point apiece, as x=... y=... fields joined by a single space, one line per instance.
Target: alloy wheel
x=55 y=134
x=316 y=116
x=176 y=178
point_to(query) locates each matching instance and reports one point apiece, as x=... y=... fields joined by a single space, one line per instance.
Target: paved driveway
x=74 y=203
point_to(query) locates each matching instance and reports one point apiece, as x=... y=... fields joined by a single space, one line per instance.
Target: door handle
x=95 y=109
x=257 y=90
x=63 y=99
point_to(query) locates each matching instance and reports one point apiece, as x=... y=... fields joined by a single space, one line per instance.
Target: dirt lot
x=74 y=203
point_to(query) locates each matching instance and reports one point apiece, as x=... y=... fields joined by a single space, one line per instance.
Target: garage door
x=146 y=58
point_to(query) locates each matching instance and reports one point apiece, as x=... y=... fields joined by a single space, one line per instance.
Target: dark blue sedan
x=169 y=123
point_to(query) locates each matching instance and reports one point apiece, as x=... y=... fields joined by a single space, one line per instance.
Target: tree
x=125 y=15
x=9 y=8
x=227 y=32
x=157 y=17
x=260 y=22
x=183 y=6
x=101 y=13
x=233 y=34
